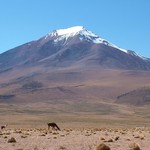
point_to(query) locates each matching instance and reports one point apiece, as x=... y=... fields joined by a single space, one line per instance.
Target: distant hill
x=136 y=97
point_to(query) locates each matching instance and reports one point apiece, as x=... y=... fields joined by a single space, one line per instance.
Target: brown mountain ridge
x=70 y=66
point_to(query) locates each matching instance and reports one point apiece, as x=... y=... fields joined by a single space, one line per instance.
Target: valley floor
x=83 y=130
x=74 y=139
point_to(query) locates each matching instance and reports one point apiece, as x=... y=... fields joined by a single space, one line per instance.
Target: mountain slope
x=69 y=66
x=71 y=47
x=136 y=97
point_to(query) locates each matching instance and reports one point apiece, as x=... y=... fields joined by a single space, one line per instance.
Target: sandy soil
x=74 y=139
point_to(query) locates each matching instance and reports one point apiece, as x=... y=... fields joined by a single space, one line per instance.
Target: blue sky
x=125 y=23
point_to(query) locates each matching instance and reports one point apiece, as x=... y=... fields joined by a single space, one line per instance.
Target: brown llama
x=3 y=127
x=53 y=125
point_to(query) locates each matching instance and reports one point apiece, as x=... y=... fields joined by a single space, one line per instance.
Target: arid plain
x=86 y=109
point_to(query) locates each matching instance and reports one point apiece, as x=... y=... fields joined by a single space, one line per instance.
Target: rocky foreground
x=75 y=139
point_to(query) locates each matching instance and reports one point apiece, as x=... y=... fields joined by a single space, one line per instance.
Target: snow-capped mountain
x=84 y=34
x=75 y=46
x=72 y=64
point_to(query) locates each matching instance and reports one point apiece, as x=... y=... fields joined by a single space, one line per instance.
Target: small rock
x=23 y=136
x=36 y=148
x=110 y=140
x=102 y=147
x=12 y=140
x=102 y=138
x=128 y=139
x=5 y=137
x=116 y=138
x=134 y=146
x=42 y=134
x=137 y=136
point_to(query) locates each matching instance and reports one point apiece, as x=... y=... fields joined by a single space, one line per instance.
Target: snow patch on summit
x=84 y=34
x=71 y=31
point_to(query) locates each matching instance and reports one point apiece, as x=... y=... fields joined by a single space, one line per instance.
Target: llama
x=3 y=127
x=53 y=125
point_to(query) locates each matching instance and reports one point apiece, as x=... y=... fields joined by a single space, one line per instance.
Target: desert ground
x=75 y=139
x=85 y=111
x=117 y=126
